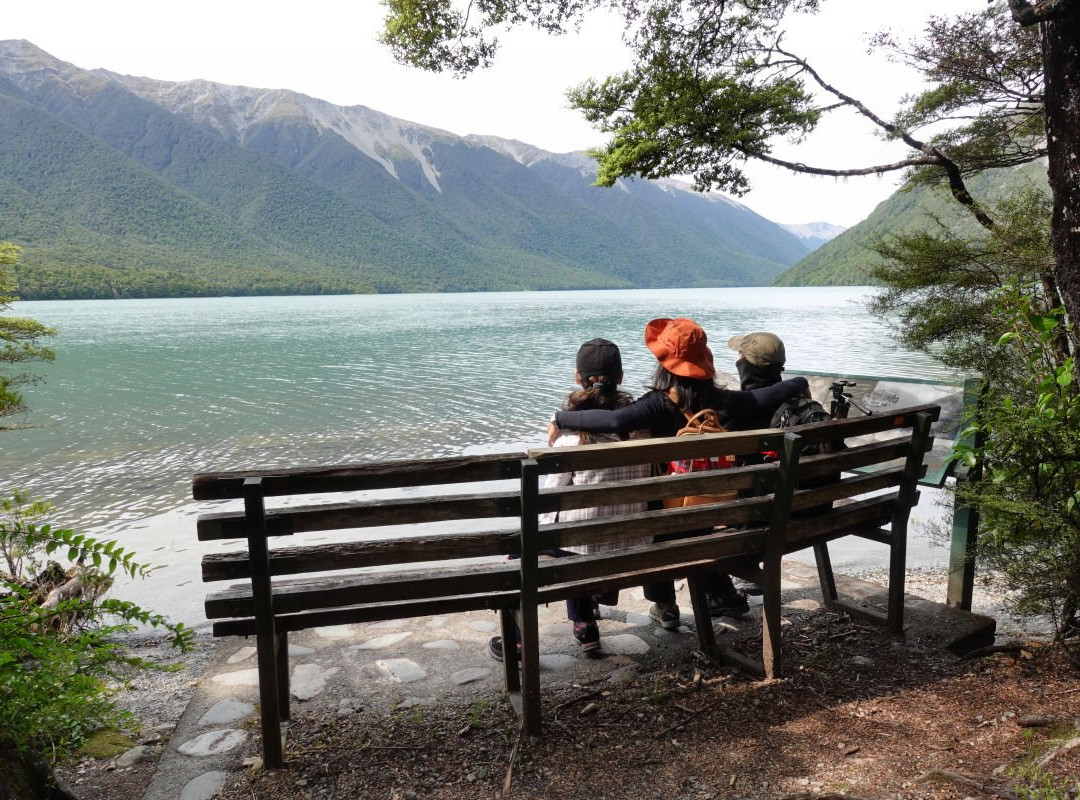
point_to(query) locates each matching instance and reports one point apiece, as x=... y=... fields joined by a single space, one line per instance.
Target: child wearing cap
x=683 y=382
x=598 y=374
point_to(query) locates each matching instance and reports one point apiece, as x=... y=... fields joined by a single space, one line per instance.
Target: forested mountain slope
x=847 y=261
x=123 y=186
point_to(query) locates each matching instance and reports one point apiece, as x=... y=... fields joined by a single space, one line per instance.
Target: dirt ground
x=862 y=715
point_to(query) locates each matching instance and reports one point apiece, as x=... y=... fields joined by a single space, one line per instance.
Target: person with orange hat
x=683 y=383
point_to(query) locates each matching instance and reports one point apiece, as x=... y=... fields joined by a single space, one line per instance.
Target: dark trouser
x=663 y=592
x=581 y=608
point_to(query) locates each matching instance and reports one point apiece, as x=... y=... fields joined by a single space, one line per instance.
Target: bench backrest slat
x=291 y=597
x=722 y=544
x=356 y=555
x=359 y=477
x=362 y=514
x=871 y=512
x=649 y=451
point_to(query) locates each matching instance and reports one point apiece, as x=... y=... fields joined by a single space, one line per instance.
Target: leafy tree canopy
x=713 y=85
x=20 y=338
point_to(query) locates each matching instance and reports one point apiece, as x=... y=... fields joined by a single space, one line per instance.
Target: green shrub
x=60 y=661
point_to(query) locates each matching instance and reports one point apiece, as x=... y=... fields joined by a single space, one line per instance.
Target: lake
x=144 y=393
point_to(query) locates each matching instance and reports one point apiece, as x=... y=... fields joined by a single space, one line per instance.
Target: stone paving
x=402 y=663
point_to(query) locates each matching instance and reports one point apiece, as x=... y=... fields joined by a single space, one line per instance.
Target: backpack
x=801 y=411
x=705 y=421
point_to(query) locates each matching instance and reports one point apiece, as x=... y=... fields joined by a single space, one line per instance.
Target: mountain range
x=116 y=185
x=847 y=260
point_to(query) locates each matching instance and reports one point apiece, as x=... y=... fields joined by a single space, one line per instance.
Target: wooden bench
x=443 y=511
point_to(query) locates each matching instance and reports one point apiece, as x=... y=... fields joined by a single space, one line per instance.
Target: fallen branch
x=1062 y=748
x=577 y=699
x=509 y=779
x=964 y=780
x=697 y=713
x=979 y=652
x=65 y=591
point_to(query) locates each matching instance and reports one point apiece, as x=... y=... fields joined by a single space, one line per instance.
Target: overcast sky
x=328 y=50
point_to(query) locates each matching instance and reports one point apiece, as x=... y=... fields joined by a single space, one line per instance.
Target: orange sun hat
x=679 y=345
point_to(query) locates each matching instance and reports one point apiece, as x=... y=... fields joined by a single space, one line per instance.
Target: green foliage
x=59 y=663
x=20 y=338
x=985 y=85
x=854 y=258
x=1028 y=450
x=941 y=286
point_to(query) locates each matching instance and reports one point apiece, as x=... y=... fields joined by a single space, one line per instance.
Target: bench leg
x=510 y=654
x=897 y=574
x=530 y=671
x=702 y=619
x=770 y=619
x=825 y=574
x=269 y=697
x=281 y=647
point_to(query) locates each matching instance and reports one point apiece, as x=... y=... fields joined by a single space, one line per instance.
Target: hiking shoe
x=727 y=604
x=588 y=636
x=495 y=649
x=749 y=588
x=666 y=615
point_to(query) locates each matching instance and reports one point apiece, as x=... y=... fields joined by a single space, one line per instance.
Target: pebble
x=136 y=755
x=401 y=670
x=224 y=712
x=204 y=786
x=471 y=675
x=625 y=644
x=308 y=680
x=212 y=743
x=382 y=642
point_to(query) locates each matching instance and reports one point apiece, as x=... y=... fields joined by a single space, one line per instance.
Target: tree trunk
x=1061 y=62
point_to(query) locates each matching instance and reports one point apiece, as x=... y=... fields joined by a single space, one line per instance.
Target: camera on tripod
x=842 y=400
x=838 y=387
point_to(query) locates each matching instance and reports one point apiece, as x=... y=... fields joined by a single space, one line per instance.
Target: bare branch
x=877 y=169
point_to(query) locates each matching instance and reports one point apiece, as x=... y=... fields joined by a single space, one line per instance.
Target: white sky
x=328 y=50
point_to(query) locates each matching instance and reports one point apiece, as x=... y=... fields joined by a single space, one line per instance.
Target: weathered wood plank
x=846 y=487
x=353 y=555
x=852 y=458
x=871 y=512
x=716 y=546
x=373 y=612
x=358 y=477
x=649 y=451
x=656 y=522
x=760 y=477
x=832 y=430
x=373 y=587
x=363 y=514
x=488 y=505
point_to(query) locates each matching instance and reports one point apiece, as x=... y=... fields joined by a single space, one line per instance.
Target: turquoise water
x=144 y=393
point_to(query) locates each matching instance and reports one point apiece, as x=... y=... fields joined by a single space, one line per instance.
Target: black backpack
x=800 y=411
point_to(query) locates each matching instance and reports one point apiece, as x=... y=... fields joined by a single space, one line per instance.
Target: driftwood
x=72 y=588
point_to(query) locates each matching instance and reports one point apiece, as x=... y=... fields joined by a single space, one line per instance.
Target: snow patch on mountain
x=233 y=110
x=814 y=234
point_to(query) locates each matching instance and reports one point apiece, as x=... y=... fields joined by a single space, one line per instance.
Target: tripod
x=842 y=401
